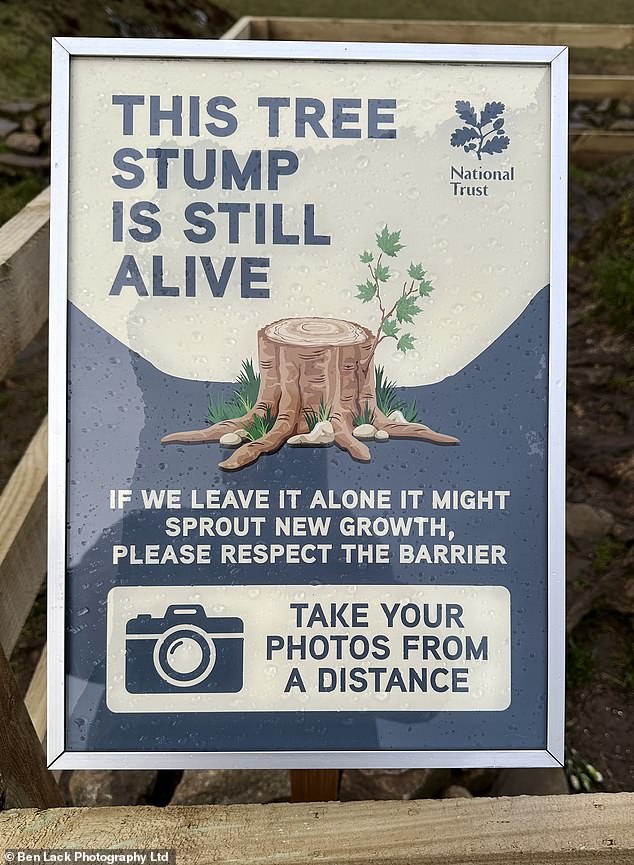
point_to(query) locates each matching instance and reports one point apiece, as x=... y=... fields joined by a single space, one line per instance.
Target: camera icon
x=185 y=650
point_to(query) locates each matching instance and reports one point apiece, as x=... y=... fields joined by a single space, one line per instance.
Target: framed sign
x=307 y=405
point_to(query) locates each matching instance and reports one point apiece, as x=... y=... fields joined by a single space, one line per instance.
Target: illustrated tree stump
x=305 y=362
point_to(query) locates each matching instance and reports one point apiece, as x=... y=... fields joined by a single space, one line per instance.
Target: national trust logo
x=483 y=132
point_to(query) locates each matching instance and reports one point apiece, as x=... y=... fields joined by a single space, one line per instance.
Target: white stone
x=381 y=435
x=231 y=440
x=364 y=431
x=244 y=435
x=397 y=417
x=322 y=434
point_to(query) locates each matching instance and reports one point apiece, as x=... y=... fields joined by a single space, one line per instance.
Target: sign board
x=307 y=405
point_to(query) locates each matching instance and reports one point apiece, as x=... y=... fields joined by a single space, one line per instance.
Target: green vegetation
x=248 y=382
x=313 y=417
x=247 y=387
x=27 y=26
x=388 y=400
x=260 y=425
x=617 y=11
x=607 y=551
x=18 y=192
x=366 y=415
x=622 y=384
x=579 y=666
x=614 y=279
x=582 y=775
x=222 y=409
x=406 y=307
x=609 y=254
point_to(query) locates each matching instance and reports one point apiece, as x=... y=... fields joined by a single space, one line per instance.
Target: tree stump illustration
x=306 y=363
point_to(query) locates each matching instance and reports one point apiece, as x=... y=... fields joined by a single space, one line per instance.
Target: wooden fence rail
x=614 y=36
x=586 y=147
x=539 y=830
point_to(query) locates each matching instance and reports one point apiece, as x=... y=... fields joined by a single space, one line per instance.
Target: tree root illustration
x=307 y=363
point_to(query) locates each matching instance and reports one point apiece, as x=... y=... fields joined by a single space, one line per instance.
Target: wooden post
x=25 y=782
x=314 y=785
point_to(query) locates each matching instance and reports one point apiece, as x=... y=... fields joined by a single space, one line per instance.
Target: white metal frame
x=556 y=57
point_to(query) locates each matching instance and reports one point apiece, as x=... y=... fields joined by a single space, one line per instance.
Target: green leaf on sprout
x=416 y=272
x=366 y=292
x=406 y=342
x=425 y=288
x=382 y=272
x=389 y=327
x=388 y=241
x=366 y=257
x=406 y=309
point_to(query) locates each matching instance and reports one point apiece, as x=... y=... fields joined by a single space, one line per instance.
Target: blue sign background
x=497 y=406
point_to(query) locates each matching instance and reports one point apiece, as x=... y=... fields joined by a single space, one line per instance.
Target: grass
x=222 y=409
x=247 y=387
x=313 y=417
x=260 y=425
x=609 y=253
x=388 y=400
x=614 y=279
x=18 y=192
x=579 y=666
x=617 y=11
x=366 y=415
x=622 y=384
x=26 y=28
x=606 y=552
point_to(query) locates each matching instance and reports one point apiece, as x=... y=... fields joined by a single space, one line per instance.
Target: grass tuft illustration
x=366 y=415
x=387 y=398
x=315 y=416
x=245 y=396
x=260 y=425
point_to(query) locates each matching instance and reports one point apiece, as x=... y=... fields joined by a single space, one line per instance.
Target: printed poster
x=308 y=328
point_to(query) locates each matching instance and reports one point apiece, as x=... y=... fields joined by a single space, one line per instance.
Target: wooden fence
x=538 y=830
x=593 y=829
x=587 y=147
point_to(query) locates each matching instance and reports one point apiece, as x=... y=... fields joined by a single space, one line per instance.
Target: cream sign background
x=487 y=256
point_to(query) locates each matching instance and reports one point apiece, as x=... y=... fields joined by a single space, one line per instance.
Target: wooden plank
x=23 y=278
x=590 y=148
x=593 y=829
x=23 y=538
x=616 y=36
x=240 y=30
x=314 y=785
x=591 y=87
x=25 y=782
x=35 y=700
x=259 y=27
x=595 y=87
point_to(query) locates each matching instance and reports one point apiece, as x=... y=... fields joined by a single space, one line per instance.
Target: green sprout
x=405 y=308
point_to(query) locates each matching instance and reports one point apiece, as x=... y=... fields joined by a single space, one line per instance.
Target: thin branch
x=377 y=285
